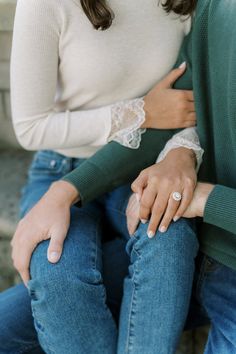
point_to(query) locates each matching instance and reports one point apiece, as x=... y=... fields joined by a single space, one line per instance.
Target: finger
x=192 y=116
x=132 y=224
x=25 y=276
x=189 y=124
x=133 y=205
x=190 y=107
x=55 y=246
x=174 y=75
x=132 y=213
x=139 y=184
x=157 y=213
x=21 y=255
x=170 y=212
x=187 y=197
x=146 y=202
x=189 y=95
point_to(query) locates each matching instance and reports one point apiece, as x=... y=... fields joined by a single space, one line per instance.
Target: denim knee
x=60 y=281
x=179 y=241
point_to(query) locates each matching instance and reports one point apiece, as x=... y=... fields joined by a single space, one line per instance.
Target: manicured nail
x=150 y=234
x=176 y=218
x=162 y=229
x=144 y=221
x=54 y=256
x=182 y=65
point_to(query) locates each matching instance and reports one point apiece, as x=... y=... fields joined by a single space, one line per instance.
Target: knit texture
x=210 y=51
x=66 y=76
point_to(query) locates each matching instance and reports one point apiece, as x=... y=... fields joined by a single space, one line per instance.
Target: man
x=210 y=51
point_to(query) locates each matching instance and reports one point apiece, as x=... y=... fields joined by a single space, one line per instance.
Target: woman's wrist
x=183 y=154
x=63 y=192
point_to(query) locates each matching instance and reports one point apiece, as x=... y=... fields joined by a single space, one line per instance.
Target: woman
x=41 y=124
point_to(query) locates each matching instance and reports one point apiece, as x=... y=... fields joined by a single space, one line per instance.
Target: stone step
x=7 y=13
x=13 y=172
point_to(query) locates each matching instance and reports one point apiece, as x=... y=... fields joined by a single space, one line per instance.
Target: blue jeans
x=73 y=301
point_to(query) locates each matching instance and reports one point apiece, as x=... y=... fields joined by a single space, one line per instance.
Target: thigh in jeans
x=217 y=294
x=68 y=298
x=157 y=289
x=17 y=334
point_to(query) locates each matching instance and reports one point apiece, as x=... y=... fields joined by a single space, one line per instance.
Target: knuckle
x=143 y=214
x=134 y=186
x=154 y=180
x=143 y=173
x=168 y=181
x=181 y=96
x=158 y=209
x=145 y=205
x=190 y=185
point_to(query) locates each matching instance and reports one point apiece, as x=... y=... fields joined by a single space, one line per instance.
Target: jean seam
x=132 y=306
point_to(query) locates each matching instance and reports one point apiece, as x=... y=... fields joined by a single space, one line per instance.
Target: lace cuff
x=187 y=138
x=126 y=120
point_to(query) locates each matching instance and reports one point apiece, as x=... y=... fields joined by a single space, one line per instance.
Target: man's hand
x=198 y=203
x=155 y=187
x=48 y=219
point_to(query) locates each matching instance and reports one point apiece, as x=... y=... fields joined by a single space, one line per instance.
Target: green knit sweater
x=210 y=51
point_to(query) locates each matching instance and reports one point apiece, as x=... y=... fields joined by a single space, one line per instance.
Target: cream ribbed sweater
x=65 y=76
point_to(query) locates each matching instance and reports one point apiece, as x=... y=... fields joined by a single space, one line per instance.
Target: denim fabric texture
x=75 y=302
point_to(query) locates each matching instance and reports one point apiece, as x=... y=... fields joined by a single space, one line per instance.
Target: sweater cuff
x=220 y=209
x=87 y=175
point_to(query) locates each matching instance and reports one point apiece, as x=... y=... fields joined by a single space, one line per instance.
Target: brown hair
x=101 y=15
x=181 y=7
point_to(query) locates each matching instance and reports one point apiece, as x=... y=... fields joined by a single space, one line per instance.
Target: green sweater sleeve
x=220 y=208
x=114 y=165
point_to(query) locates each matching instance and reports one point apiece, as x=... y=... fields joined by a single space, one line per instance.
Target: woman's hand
x=48 y=219
x=198 y=203
x=155 y=186
x=167 y=108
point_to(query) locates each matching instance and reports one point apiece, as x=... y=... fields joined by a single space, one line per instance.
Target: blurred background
x=13 y=169
x=13 y=160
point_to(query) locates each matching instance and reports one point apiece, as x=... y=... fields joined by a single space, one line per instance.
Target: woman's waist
x=82 y=152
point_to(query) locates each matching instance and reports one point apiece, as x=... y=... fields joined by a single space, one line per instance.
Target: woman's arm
x=34 y=78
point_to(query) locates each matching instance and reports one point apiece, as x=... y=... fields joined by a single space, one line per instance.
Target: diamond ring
x=177 y=196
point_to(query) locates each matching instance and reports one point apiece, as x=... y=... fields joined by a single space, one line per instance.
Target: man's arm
x=220 y=208
x=114 y=165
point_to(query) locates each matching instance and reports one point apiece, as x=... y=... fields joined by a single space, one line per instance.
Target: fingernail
x=176 y=218
x=182 y=65
x=144 y=221
x=150 y=234
x=162 y=229
x=54 y=256
x=137 y=197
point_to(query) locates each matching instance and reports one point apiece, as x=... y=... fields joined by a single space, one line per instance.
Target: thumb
x=174 y=75
x=55 y=247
